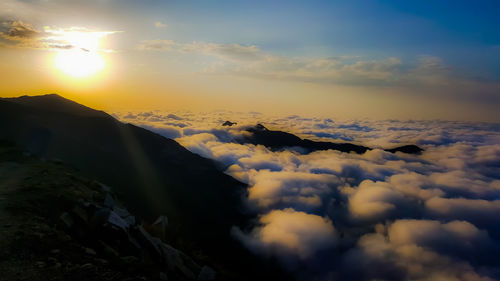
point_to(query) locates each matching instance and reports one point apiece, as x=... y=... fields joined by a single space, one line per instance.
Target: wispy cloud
x=20 y=34
x=423 y=75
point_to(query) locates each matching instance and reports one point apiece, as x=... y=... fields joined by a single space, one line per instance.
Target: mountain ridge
x=274 y=139
x=154 y=175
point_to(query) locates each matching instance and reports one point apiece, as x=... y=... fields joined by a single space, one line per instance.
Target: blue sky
x=453 y=30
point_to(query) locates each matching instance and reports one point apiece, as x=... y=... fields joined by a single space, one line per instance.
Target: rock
x=90 y=251
x=207 y=273
x=129 y=260
x=80 y=213
x=125 y=215
x=101 y=261
x=117 y=221
x=40 y=264
x=160 y=226
x=108 y=251
x=147 y=246
x=87 y=266
x=105 y=188
x=55 y=251
x=67 y=220
x=161 y=221
x=163 y=277
x=100 y=217
x=178 y=261
x=130 y=220
x=121 y=212
x=109 y=202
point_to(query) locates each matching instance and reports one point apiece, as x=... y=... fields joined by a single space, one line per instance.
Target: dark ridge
x=229 y=123
x=153 y=175
x=410 y=149
x=56 y=103
x=280 y=140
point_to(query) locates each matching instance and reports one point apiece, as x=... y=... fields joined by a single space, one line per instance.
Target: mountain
x=152 y=174
x=58 y=225
x=279 y=140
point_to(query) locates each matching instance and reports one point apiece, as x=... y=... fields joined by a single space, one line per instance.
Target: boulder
x=177 y=261
x=147 y=243
x=207 y=273
x=109 y=202
x=67 y=219
x=160 y=227
x=117 y=221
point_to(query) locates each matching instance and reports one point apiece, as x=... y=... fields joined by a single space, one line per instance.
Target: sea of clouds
x=329 y=215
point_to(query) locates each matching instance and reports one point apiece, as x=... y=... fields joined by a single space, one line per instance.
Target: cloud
x=168 y=132
x=175 y=117
x=299 y=189
x=478 y=211
x=289 y=232
x=421 y=75
x=20 y=34
x=157 y=45
x=160 y=24
x=18 y=31
x=232 y=52
x=419 y=250
x=375 y=201
x=394 y=216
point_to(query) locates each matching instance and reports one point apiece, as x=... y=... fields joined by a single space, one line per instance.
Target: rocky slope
x=57 y=225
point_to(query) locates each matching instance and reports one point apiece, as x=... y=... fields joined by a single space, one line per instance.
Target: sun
x=78 y=55
x=79 y=63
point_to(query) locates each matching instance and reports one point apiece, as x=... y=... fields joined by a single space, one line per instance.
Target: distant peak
x=229 y=123
x=53 y=95
x=257 y=128
x=261 y=127
x=55 y=102
x=45 y=96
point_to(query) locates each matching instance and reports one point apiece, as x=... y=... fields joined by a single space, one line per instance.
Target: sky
x=350 y=59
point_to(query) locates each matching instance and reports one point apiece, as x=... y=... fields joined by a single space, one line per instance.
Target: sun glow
x=79 y=63
x=78 y=52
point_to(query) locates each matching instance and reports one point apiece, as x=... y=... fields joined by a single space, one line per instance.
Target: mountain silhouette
x=154 y=175
x=280 y=140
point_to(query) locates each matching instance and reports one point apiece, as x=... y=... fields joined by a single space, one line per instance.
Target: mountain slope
x=57 y=225
x=154 y=175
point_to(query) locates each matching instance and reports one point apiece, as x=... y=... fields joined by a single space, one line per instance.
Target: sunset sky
x=352 y=59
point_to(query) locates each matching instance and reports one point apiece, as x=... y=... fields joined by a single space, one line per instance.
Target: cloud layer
x=329 y=215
